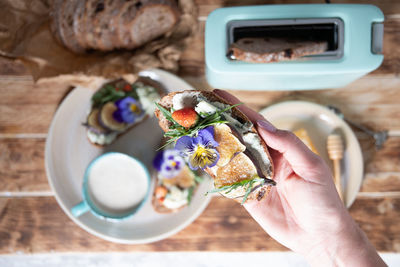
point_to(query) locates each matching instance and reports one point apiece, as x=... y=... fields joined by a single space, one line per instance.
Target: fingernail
x=266 y=125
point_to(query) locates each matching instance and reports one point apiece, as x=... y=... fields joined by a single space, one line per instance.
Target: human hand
x=303 y=211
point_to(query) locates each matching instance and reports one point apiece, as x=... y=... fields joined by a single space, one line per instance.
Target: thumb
x=299 y=156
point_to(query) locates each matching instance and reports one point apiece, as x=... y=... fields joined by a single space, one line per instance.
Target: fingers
x=299 y=156
x=251 y=114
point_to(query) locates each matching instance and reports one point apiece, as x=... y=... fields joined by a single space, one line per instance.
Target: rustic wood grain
x=373 y=101
x=22 y=166
x=13 y=68
x=381 y=182
x=37 y=224
x=34 y=225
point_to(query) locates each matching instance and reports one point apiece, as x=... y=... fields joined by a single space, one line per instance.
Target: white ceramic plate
x=319 y=123
x=68 y=153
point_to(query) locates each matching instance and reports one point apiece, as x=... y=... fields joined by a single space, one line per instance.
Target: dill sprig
x=197 y=180
x=248 y=184
x=178 y=131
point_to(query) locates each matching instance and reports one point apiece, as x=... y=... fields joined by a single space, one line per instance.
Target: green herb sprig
x=178 y=131
x=108 y=93
x=190 y=193
x=197 y=180
x=248 y=184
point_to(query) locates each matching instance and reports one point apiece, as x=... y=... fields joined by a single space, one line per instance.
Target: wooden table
x=31 y=221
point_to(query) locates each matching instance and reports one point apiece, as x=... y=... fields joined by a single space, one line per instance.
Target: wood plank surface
x=32 y=222
x=35 y=225
x=373 y=101
x=22 y=166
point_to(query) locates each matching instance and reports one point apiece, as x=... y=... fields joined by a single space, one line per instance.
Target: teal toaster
x=354 y=34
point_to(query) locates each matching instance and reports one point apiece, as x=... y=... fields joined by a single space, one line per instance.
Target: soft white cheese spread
x=239 y=192
x=147 y=97
x=176 y=198
x=184 y=99
x=253 y=142
x=205 y=108
x=101 y=139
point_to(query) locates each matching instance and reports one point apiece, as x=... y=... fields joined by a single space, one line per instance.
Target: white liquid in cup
x=117 y=184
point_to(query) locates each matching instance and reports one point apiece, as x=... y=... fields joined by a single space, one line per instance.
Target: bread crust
x=265 y=50
x=166 y=102
x=66 y=25
x=134 y=11
x=106 y=32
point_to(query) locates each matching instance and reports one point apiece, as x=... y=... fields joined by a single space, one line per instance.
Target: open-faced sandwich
x=117 y=106
x=176 y=183
x=218 y=138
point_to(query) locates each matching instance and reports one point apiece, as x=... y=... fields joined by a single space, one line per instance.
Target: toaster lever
x=377 y=38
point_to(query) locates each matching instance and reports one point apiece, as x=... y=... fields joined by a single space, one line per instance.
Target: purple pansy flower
x=199 y=151
x=128 y=110
x=168 y=163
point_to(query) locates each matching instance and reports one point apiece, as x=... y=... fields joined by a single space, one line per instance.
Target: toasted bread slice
x=244 y=155
x=229 y=144
x=265 y=50
x=184 y=180
x=112 y=132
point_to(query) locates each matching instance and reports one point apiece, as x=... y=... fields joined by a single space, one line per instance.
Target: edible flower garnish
x=200 y=151
x=177 y=130
x=128 y=110
x=169 y=163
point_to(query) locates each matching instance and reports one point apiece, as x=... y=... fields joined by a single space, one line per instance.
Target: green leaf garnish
x=178 y=131
x=248 y=184
x=190 y=193
x=198 y=178
x=106 y=94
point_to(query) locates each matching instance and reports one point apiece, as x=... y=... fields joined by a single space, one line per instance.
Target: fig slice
x=93 y=122
x=107 y=119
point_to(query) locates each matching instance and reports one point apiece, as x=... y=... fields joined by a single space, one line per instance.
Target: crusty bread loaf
x=106 y=29
x=260 y=192
x=111 y=24
x=66 y=28
x=79 y=18
x=264 y=50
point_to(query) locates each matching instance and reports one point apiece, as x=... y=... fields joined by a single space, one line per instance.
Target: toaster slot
x=329 y=30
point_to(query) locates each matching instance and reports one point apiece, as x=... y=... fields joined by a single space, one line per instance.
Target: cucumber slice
x=107 y=119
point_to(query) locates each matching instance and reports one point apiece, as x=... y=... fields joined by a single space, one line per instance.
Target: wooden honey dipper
x=335 y=152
